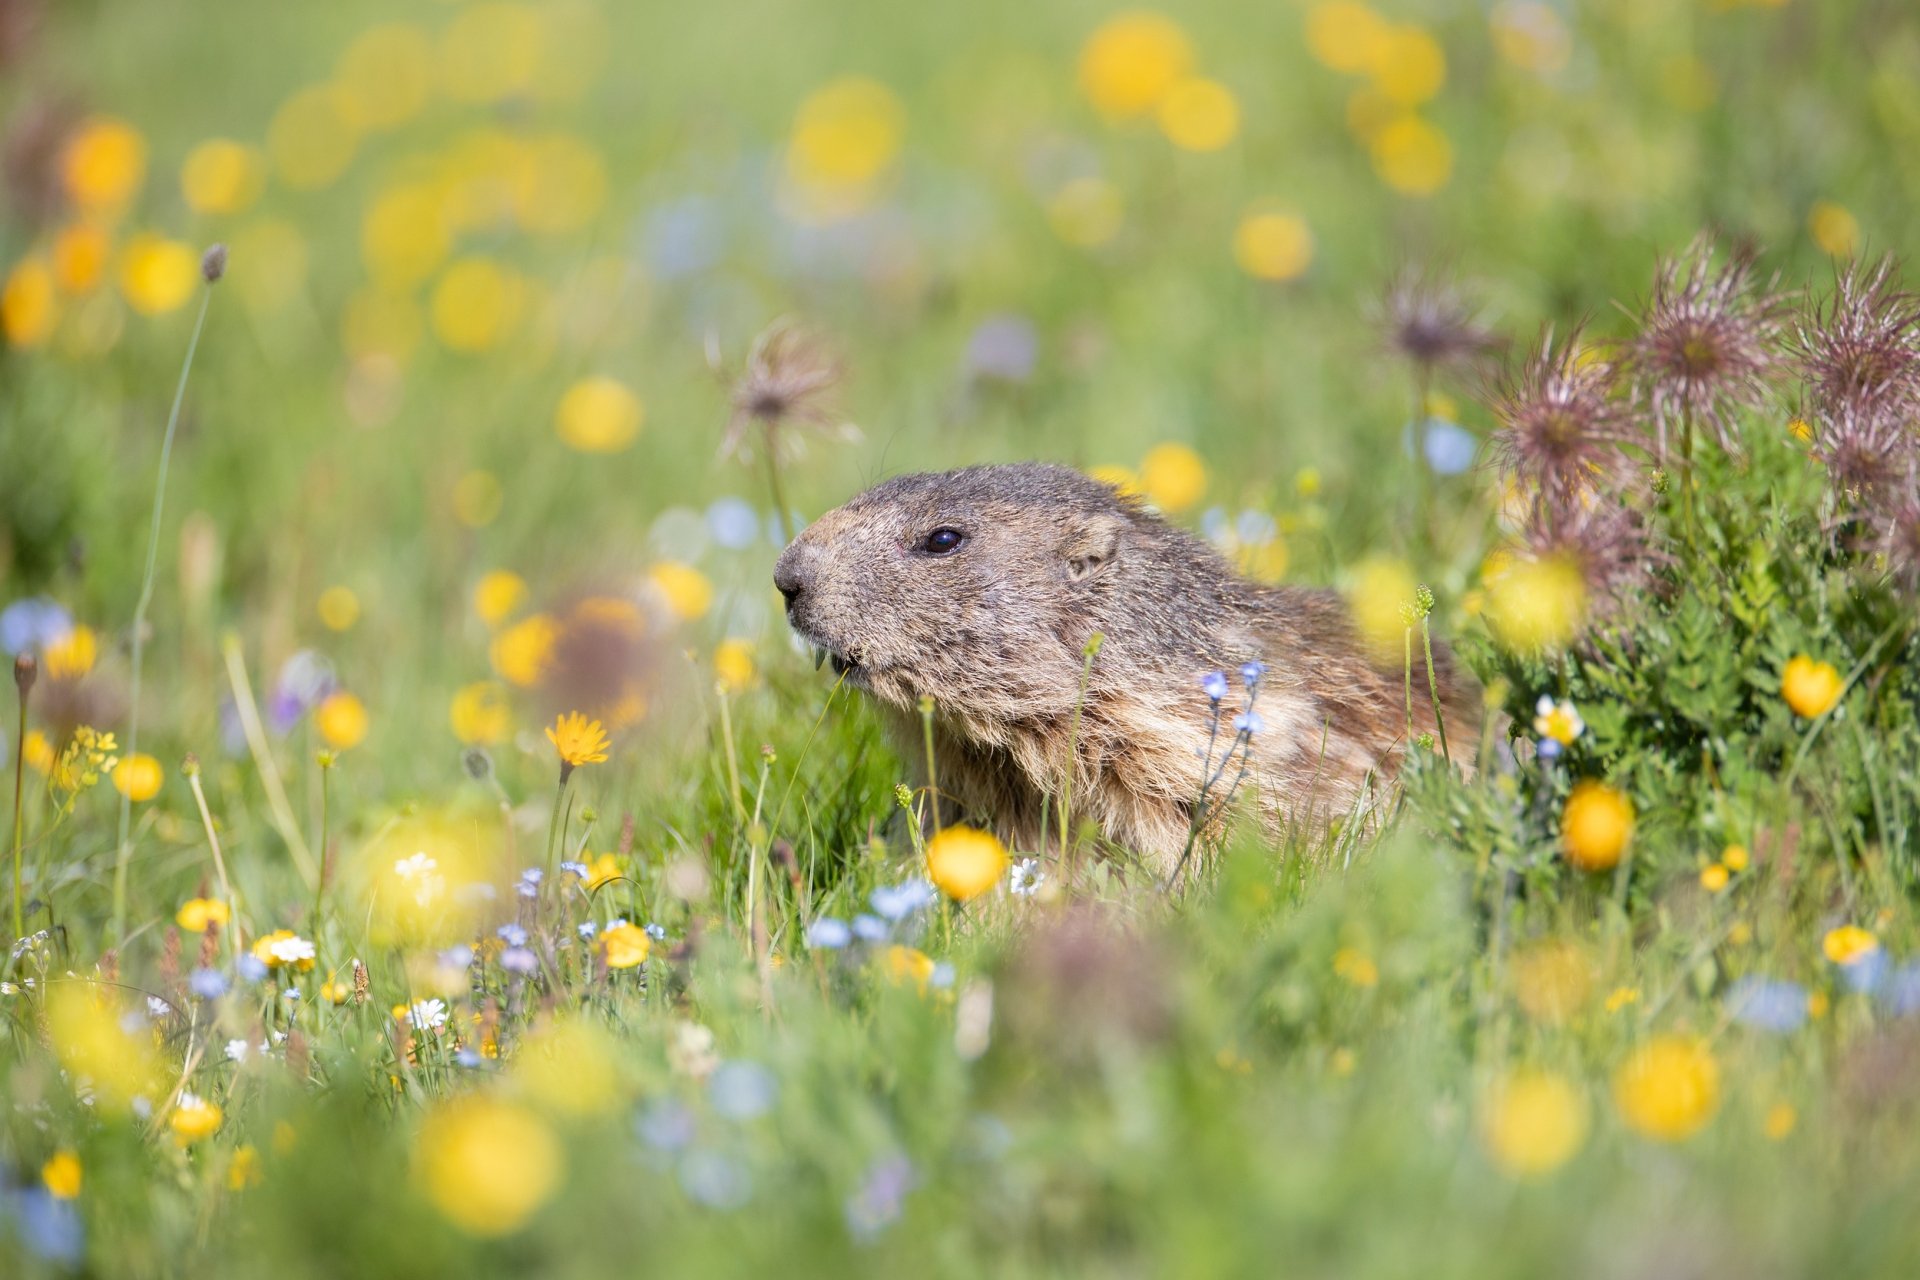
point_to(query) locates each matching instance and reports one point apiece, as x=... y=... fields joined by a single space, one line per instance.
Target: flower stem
x=1433 y=690
x=123 y=849
x=773 y=484
x=19 y=815
x=553 y=823
x=219 y=863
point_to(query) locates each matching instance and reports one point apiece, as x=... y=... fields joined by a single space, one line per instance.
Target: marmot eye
x=942 y=542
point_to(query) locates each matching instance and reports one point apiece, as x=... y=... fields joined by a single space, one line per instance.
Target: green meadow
x=427 y=851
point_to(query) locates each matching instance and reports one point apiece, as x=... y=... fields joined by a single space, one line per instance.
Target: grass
x=1423 y=1042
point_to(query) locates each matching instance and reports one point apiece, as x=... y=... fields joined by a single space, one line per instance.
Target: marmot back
x=981 y=588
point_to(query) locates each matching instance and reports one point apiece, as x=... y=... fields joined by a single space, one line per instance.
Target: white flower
x=428 y=1015
x=417 y=865
x=1025 y=877
x=291 y=950
x=157 y=1007
x=1558 y=720
x=237 y=1050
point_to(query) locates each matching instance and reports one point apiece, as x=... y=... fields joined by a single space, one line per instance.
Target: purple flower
x=1251 y=672
x=899 y=901
x=869 y=928
x=49 y=1227
x=665 y=1125
x=208 y=984
x=881 y=1197
x=577 y=868
x=33 y=624
x=512 y=934
x=1901 y=994
x=518 y=960
x=251 y=967
x=1249 y=723
x=304 y=682
x=742 y=1090
x=1214 y=685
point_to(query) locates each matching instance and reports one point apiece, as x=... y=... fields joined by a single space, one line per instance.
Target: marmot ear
x=1094 y=545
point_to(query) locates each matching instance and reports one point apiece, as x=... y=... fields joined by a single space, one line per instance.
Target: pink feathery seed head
x=1429 y=322
x=1869 y=452
x=1707 y=345
x=788 y=381
x=1562 y=422
x=1899 y=539
x=1861 y=344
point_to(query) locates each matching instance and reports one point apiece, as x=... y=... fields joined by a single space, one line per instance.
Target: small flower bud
x=190 y=767
x=213 y=263
x=25 y=672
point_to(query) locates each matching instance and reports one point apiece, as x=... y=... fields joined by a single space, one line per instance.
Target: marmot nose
x=789 y=574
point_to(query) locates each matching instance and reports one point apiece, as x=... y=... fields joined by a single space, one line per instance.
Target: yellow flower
x=1273 y=246
x=1836 y=231
x=1849 y=944
x=476 y=304
x=1086 y=212
x=1818 y=1005
x=1532 y=1122
x=497 y=595
x=310 y=139
x=334 y=991
x=1734 y=857
x=138 y=777
x=338 y=608
x=28 y=308
x=480 y=715
x=604 y=869
x=341 y=720
x=1346 y=36
x=1534 y=605
x=1173 y=477
x=487 y=1165
x=1714 y=878
x=1620 y=997
x=902 y=964
x=222 y=176
x=578 y=740
x=405 y=235
x=80 y=255
x=1668 y=1089
x=964 y=863
x=103 y=165
x=1780 y=1121
x=1740 y=934
x=1552 y=980
x=1407 y=66
x=243 y=1170
x=599 y=415
x=1800 y=429
x=522 y=652
x=198 y=913
x=625 y=946
x=1378 y=597
x=845 y=136
x=1356 y=966
x=195 y=1118
x=564 y=187
x=685 y=589
x=157 y=275
x=61 y=1175
x=1125 y=480
x=733 y=664
x=1596 y=826
x=385 y=76
x=72 y=655
x=1412 y=156
x=1810 y=688
x=1198 y=114
x=1131 y=62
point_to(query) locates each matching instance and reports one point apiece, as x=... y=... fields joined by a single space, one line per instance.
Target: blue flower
x=899 y=901
x=529 y=885
x=518 y=960
x=1767 y=1004
x=828 y=934
x=658 y=932
x=251 y=967
x=942 y=976
x=715 y=1179
x=33 y=623
x=741 y=1090
x=49 y=1227
x=1249 y=723
x=1901 y=994
x=869 y=928
x=1251 y=672
x=587 y=929
x=577 y=868
x=733 y=523
x=1214 y=685
x=665 y=1125
x=208 y=984
x=468 y=1058
x=1549 y=749
x=1449 y=447
x=512 y=934
x=456 y=957
x=1865 y=973
x=291 y=993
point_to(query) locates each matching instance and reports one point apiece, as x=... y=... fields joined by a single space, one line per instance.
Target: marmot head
x=978 y=587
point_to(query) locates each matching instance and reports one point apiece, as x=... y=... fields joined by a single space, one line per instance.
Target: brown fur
x=995 y=632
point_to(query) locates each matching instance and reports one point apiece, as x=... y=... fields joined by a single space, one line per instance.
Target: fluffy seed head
x=1561 y=425
x=1707 y=341
x=1861 y=346
x=1428 y=322
x=788 y=380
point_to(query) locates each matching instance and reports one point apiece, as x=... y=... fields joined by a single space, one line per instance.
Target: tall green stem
x=124 y=848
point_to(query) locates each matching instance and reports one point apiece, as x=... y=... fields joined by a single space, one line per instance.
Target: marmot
x=980 y=588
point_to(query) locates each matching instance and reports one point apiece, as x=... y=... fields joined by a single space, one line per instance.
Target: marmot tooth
x=819 y=657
